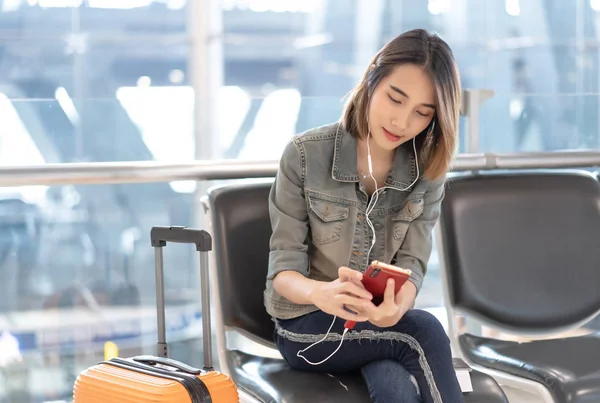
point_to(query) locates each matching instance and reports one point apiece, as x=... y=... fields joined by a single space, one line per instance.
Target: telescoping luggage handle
x=159 y=237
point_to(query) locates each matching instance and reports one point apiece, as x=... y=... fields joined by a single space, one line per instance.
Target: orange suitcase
x=158 y=379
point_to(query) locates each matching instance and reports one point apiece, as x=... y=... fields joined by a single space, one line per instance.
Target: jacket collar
x=344 y=168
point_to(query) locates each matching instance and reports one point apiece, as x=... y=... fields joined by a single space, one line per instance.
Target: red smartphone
x=375 y=281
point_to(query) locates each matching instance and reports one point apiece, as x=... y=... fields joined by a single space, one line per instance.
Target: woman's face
x=401 y=107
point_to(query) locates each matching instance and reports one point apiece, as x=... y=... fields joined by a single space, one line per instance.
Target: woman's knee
x=426 y=326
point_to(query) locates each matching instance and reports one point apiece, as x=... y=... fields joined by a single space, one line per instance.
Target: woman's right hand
x=346 y=291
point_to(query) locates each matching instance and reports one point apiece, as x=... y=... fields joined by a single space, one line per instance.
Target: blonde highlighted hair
x=419 y=47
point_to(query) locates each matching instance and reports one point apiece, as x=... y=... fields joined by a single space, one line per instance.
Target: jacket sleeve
x=418 y=242
x=289 y=216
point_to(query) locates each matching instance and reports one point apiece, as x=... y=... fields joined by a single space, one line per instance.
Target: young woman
x=368 y=188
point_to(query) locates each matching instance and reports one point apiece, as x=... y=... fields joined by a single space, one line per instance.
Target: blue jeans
x=393 y=361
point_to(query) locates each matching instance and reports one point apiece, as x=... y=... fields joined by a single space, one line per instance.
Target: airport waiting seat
x=521 y=253
x=239 y=221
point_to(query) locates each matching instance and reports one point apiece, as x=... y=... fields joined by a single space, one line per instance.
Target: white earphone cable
x=370 y=206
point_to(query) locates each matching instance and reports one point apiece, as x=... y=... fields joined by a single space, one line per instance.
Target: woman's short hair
x=419 y=47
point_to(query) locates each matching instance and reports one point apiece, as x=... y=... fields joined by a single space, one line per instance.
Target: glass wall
x=108 y=80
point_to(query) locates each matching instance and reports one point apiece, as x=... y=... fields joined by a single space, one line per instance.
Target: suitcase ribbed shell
x=105 y=383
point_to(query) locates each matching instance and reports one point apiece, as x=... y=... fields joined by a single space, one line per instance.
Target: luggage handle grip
x=153 y=360
x=160 y=235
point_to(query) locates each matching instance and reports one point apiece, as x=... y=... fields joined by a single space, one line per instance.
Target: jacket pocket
x=411 y=210
x=327 y=219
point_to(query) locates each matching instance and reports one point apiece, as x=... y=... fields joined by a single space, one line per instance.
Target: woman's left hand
x=393 y=307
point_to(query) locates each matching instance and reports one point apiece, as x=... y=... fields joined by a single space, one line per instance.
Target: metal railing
x=151 y=171
x=143 y=172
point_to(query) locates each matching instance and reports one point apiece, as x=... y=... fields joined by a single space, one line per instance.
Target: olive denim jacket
x=317 y=207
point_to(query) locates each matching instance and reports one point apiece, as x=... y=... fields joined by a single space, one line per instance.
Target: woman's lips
x=390 y=136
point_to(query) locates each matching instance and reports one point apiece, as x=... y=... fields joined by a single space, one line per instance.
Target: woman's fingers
x=348 y=274
x=389 y=295
x=355 y=290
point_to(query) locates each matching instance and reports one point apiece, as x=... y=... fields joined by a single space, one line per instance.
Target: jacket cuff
x=282 y=260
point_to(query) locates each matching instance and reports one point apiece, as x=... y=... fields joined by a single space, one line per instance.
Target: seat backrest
x=241 y=234
x=522 y=250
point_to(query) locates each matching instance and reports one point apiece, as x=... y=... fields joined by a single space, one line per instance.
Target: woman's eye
x=399 y=102
x=394 y=100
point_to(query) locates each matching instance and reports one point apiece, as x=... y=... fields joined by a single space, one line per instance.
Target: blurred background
x=177 y=80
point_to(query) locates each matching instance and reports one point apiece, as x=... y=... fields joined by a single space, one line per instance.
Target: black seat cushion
x=271 y=380
x=569 y=368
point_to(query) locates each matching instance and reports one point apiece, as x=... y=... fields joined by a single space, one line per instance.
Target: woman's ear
x=429 y=135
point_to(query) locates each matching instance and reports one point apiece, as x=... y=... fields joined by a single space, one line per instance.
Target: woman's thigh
x=306 y=339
